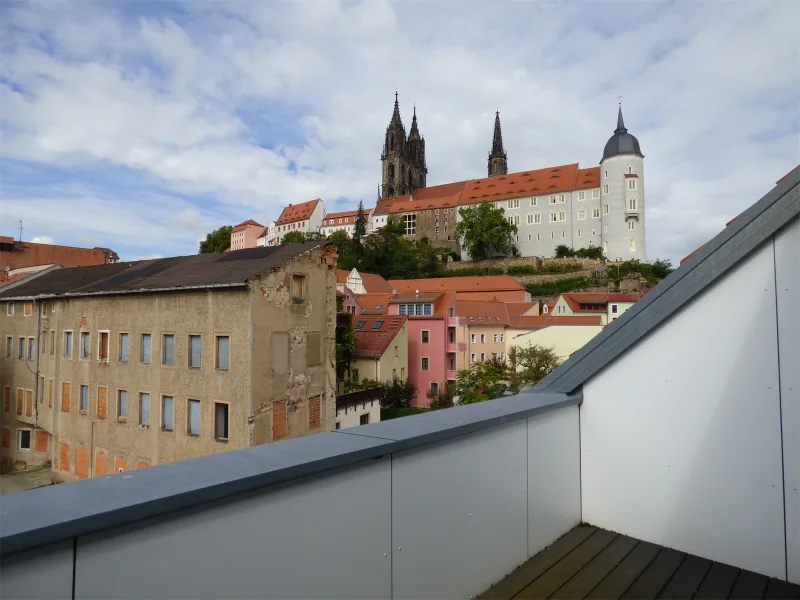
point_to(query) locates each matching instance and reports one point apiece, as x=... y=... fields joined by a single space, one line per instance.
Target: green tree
x=662 y=268
x=484 y=231
x=313 y=236
x=293 y=237
x=481 y=382
x=428 y=261
x=218 y=240
x=341 y=240
x=529 y=365
x=360 y=227
x=397 y=393
x=564 y=251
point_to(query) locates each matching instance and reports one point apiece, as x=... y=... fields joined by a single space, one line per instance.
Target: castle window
x=631 y=184
x=581 y=215
x=632 y=245
x=605 y=189
x=606 y=209
x=391 y=171
x=581 y=195
x=410 y=222
x=533 y=201
x=632 y=204
x=595 y=194
x=596 y=213
x=631 y=225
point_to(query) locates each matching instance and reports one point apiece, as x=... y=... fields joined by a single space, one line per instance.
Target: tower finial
x=498 y=165
x=620 y=123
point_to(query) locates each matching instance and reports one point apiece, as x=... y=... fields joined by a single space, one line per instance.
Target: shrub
x=561 y=267
x=395 y=413
x=495 y=271
x=522 y=270
x=551 y=288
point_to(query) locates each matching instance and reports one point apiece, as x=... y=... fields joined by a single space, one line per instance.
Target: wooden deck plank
x=657 y=574
x=718 y=583
x=778 y=588
x=521 y=577
x=687 y=578
x=593 y=573
x=749 y=586
x=567 y=567
x=622 y=577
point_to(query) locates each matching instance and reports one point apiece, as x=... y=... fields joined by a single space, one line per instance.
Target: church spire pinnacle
x=620 y=122
x=414 y=133
x=498 y=163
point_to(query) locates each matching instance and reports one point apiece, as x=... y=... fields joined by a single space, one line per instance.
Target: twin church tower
x=403 y=157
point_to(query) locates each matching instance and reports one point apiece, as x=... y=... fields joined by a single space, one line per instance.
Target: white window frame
x=10 y=309
x=422 y=366
x=631 y=183
x=422 y=336
x=596 y=193
x=581 y=196
x=581 y=215
x=632 y=204
x=605 y=189
x=631 y=225
x=19 y=439
x=483 y=338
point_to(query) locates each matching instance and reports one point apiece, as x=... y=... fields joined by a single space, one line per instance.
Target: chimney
x=417 y=293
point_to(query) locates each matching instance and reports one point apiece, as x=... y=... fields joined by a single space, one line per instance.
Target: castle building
x=601 y=206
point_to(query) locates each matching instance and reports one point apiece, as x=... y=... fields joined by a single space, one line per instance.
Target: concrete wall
x=351 y=416
x=615 y=234
x=564 y=339
x=682 y=435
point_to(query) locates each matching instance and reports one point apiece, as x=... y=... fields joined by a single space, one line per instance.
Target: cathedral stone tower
x=498 y=164
x=403 y=158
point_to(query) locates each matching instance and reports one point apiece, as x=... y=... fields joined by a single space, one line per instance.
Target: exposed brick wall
x=20 y=394
x=7 y=399
x=102 y=402
x=6 y=437
x=313 y=412
x=82 y=463
x=50 y=394
x=100 y=463
x=278 y=419
x=66 y=393
x=63 y=456
x=120 y=463
x=142 y=464
x=28 y=403
x=41 y=441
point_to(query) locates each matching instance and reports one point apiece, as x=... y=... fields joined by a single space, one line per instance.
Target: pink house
x=245 y=235
x=428 y=315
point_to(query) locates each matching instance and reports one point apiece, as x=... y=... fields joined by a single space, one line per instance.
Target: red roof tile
x=297 y=212
x=372 y=342
x=517 y=309
x=482 y=312
x=373 y=303
x=246 y=224
x=489 y=283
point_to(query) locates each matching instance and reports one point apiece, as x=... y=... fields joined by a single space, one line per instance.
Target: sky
x=142 y=126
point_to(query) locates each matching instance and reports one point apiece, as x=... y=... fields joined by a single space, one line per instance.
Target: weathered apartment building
x=120 y=366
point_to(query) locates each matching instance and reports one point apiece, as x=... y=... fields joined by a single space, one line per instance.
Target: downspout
x=36 y=383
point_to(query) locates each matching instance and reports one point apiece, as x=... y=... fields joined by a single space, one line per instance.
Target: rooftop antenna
x=619 y=100
x=20 y=230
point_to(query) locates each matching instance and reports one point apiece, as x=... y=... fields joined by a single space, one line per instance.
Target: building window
x=52 y=342
x=84 y=350
x=102 y=347
x=84 y=399
x=434 y=387
x=533 y=201
x=9 y=346
x=605 y=189
x=402 y=309
x=596 y=194
x=194 y=351
x=44 y=341
x=632 y=245
x=363 y=419
x=537 y=218
x=552 y=235
x=502 y=337
x=298 y=287
x=194 y=417
x=561 y=199
x=495 y=338
x=581 y=215
x=27 y=309
x=579 y=233
x=338 y=425
x=428 y=309
x=31 y=348
x=410 y=222
x=553 y=199
x=168 y=349
x=631 y=225
x=167 y=413
x=594 y=232
x=424 y=363
x=223 y=352
x=614 y=309
x=483 y=357
x=605 y=228
x=483 y=338
x=563 y=234
x=553 y=217
x=220 y=420
x=144 y=355
x=581 y=195
x=596 y=213
x=631 y=203
x=473 y=358
x=562 y=215
x=529 y=218
x=24 y=439
x=605 y=247
x=606 y=173
x=425 y=336
x=472 y=338
x=10 y=309
x=144 y=408
x=631 y=184
x=123 y=347
x=122 y=404
x=606 y=209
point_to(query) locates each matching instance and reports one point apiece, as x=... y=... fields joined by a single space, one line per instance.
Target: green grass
x=396 y=413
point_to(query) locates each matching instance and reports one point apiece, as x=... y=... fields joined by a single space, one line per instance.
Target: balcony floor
x=589 y=562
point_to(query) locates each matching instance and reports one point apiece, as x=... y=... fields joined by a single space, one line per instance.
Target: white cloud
x=228 y=111
x=43 y=239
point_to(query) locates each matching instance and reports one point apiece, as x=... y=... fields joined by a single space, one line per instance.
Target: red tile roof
x=347 y=217
x=372 y=342
x=489 y=283
x=244 y=225
x=438 y=196
x=482 y=312
x=372 y=282
x=373 y=303
x=5 y=280
x=577 y=299
x=517 y=309
x=297 y=212
x=30 y=254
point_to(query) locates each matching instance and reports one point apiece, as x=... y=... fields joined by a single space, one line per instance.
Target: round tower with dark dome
x=622 y=200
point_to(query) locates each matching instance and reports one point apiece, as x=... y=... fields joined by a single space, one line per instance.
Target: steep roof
x=375 y=333
x=438 y=196
x=756 y=225
x=373 y=303
x=489 y=283
x=525 y=183
x=482 y=312
x=197 y=271
x=297 y=212
x=347 y=216
x=245 y=224
x=517 y=309
x=372 y=282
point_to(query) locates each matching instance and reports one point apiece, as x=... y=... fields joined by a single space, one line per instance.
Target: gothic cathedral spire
x=498 y=163
x=403 y=157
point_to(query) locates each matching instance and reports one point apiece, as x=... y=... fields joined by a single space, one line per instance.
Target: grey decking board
x=718 y=582
x=567 y=567
x=624 y=574
x=687 y=579
x=585 y=580
x=656 y=576
x=782 y=589
x=749 y=586
x=521 y=577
